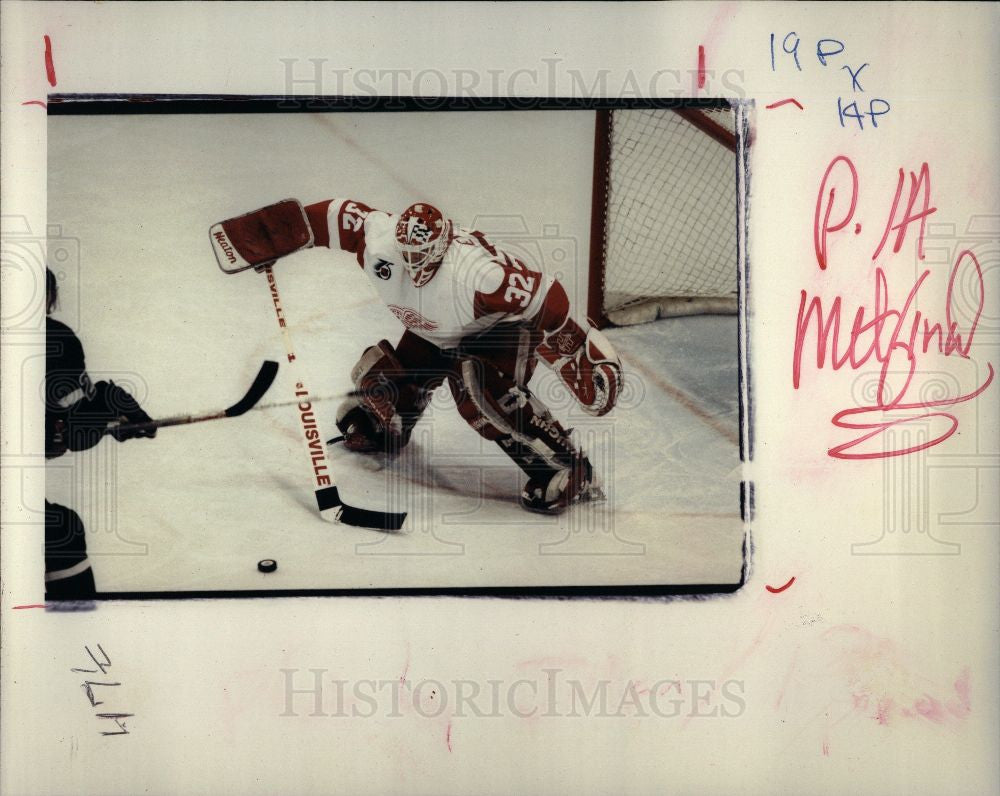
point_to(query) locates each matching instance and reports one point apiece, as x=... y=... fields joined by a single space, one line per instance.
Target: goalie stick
x=331 y=507
x=261 y=383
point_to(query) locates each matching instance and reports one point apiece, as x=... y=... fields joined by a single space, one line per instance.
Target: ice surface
x=197 y=507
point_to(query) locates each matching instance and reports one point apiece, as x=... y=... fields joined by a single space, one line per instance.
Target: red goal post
x=663 y=222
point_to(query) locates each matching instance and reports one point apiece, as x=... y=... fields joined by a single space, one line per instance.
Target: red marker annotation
x=701 y=66
x=897 y=336
x=779 y=103
x=779 y=589
x=37 y=605
x=50 y=69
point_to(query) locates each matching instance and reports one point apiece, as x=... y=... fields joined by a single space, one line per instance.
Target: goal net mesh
x=670 y=235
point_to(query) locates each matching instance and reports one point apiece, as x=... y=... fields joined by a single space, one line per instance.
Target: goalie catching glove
x=587 y=364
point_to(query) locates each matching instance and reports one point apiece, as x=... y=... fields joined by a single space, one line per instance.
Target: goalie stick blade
x=331 y=508
x=265 y=378
x=373 y=520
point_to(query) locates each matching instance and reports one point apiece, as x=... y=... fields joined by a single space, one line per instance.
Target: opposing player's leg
x=68 y=575
x=500 y=409
x=393 y=387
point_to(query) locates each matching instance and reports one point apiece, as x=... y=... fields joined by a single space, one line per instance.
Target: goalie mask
x=422 y=237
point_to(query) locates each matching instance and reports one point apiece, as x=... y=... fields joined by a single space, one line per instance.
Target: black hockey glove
x=125 y=409
x=83 y=425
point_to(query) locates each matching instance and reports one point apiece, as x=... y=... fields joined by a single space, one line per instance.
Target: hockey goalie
x=476 y=318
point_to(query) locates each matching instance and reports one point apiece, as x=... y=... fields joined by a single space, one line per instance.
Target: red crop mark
x=447 y=736
x=701 y=66
x=779 y=103
x=35 y=102
x=50 y=70
x=780 y=589
x=37 y=605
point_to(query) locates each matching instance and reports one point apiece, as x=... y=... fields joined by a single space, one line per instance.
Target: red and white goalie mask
x=422 y=236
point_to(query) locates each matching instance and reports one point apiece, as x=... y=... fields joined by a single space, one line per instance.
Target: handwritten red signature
x=896 y=338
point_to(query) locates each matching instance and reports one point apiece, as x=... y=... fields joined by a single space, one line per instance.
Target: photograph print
x=313 y=348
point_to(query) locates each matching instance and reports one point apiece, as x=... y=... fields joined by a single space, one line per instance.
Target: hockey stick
x=261 y=383
x=248 y=403
x=331 y=507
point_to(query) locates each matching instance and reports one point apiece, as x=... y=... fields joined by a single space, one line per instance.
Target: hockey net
x=663 y=240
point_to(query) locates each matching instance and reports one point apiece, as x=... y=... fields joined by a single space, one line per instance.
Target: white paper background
x=876 y=673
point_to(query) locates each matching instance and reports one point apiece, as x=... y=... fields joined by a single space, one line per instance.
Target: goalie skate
x=554 y=493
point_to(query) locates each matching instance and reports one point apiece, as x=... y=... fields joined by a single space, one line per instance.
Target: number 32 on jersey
x=521 y=282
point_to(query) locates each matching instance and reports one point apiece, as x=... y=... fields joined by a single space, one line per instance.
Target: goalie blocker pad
x=258 y=238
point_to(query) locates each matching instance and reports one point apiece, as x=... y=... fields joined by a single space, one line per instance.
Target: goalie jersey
x=476 y=287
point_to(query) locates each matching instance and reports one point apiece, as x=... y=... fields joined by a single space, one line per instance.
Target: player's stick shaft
x=261 y=384
x=180 y=420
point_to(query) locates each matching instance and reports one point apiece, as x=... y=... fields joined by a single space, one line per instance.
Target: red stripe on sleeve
x=554 y=310
x=317 y=215
x=351 y=225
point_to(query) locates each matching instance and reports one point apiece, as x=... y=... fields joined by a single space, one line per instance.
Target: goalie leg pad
x=392 y=389
x=507 y=413
x=498 y=408
x=368 y=419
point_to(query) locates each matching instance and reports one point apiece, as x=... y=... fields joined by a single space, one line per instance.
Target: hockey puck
x=267 y=565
